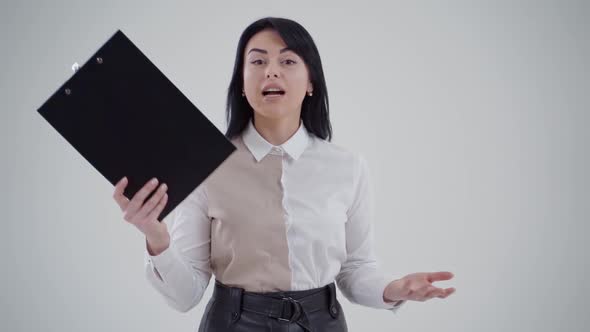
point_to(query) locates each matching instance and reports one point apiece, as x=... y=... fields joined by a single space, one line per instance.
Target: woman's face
x=276 y=80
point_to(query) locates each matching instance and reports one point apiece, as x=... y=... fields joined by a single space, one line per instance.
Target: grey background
x=473 y=117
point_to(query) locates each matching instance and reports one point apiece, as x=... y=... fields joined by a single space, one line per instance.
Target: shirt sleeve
x=181 y=273
x=360 y=278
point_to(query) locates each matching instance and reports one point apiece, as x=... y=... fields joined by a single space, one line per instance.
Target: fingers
x=155 y=213
x=433 y=292
x=439 y=276
x=448 y=292
x=152 y=202
x=417 y=287
x=121 y=200
x=439 y=292
x=139 y=197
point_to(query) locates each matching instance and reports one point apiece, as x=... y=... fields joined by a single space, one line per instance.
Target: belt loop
x=236 y=303
x=333 y=308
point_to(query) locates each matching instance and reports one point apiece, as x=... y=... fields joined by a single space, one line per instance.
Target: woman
x=282 y=220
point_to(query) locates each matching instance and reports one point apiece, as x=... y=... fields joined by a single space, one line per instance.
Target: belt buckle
x=295 y=313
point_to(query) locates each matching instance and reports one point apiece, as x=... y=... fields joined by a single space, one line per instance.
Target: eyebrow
x=266 y=52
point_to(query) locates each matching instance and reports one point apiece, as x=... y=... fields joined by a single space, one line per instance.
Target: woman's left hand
x=417 y=287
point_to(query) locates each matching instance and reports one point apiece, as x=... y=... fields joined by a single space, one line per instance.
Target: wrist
x=390 y=295
x=156 y=244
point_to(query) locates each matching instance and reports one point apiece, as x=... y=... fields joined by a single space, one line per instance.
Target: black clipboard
x=126 y=118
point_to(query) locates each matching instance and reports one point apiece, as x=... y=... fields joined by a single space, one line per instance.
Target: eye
x=291 y=61
x=256 y=62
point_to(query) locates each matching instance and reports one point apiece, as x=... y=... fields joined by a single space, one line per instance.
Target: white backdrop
x=473 y=117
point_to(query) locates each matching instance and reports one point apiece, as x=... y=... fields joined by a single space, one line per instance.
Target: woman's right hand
x=142 y=215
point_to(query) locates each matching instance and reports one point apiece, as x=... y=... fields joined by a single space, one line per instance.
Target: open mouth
x=273 y=92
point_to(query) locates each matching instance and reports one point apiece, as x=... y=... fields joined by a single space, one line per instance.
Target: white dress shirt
x=291 y=217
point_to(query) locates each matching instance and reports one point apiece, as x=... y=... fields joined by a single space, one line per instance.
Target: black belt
x=287 y=306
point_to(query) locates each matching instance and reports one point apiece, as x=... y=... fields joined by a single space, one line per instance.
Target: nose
x=271 y=71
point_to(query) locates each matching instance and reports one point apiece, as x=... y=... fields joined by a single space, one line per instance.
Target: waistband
x=291 y=306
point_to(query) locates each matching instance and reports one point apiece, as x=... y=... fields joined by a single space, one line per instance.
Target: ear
x=309 y=87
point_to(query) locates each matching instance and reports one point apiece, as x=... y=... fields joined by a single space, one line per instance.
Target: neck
x=276 y=131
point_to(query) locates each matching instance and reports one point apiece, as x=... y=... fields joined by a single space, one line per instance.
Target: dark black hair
x=314 y=109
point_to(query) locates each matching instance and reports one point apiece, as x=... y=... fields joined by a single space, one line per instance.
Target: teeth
x=272 y=89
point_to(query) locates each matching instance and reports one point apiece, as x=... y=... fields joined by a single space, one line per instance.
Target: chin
x=272 y=113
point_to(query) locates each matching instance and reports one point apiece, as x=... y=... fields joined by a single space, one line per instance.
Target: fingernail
x=154 y=181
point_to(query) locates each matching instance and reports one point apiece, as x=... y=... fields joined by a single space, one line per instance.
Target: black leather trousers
x=234 y=309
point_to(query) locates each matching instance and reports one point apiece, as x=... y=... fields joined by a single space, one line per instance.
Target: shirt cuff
x=395 y=305
x=163 y=263
x=391 y=306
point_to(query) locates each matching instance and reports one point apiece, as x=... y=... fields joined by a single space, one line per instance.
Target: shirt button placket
x=284 y=203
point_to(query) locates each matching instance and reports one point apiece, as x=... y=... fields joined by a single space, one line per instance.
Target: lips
x=273 y=92
x=273 y=89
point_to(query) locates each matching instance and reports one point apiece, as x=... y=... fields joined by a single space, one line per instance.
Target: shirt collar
x=260 y=147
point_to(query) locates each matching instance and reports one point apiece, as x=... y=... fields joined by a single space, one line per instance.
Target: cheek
x=299 y=79
x=251 y=80
x=247 y=74
x=298 y=85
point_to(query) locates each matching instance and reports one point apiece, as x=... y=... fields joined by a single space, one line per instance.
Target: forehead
x=267 y=39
